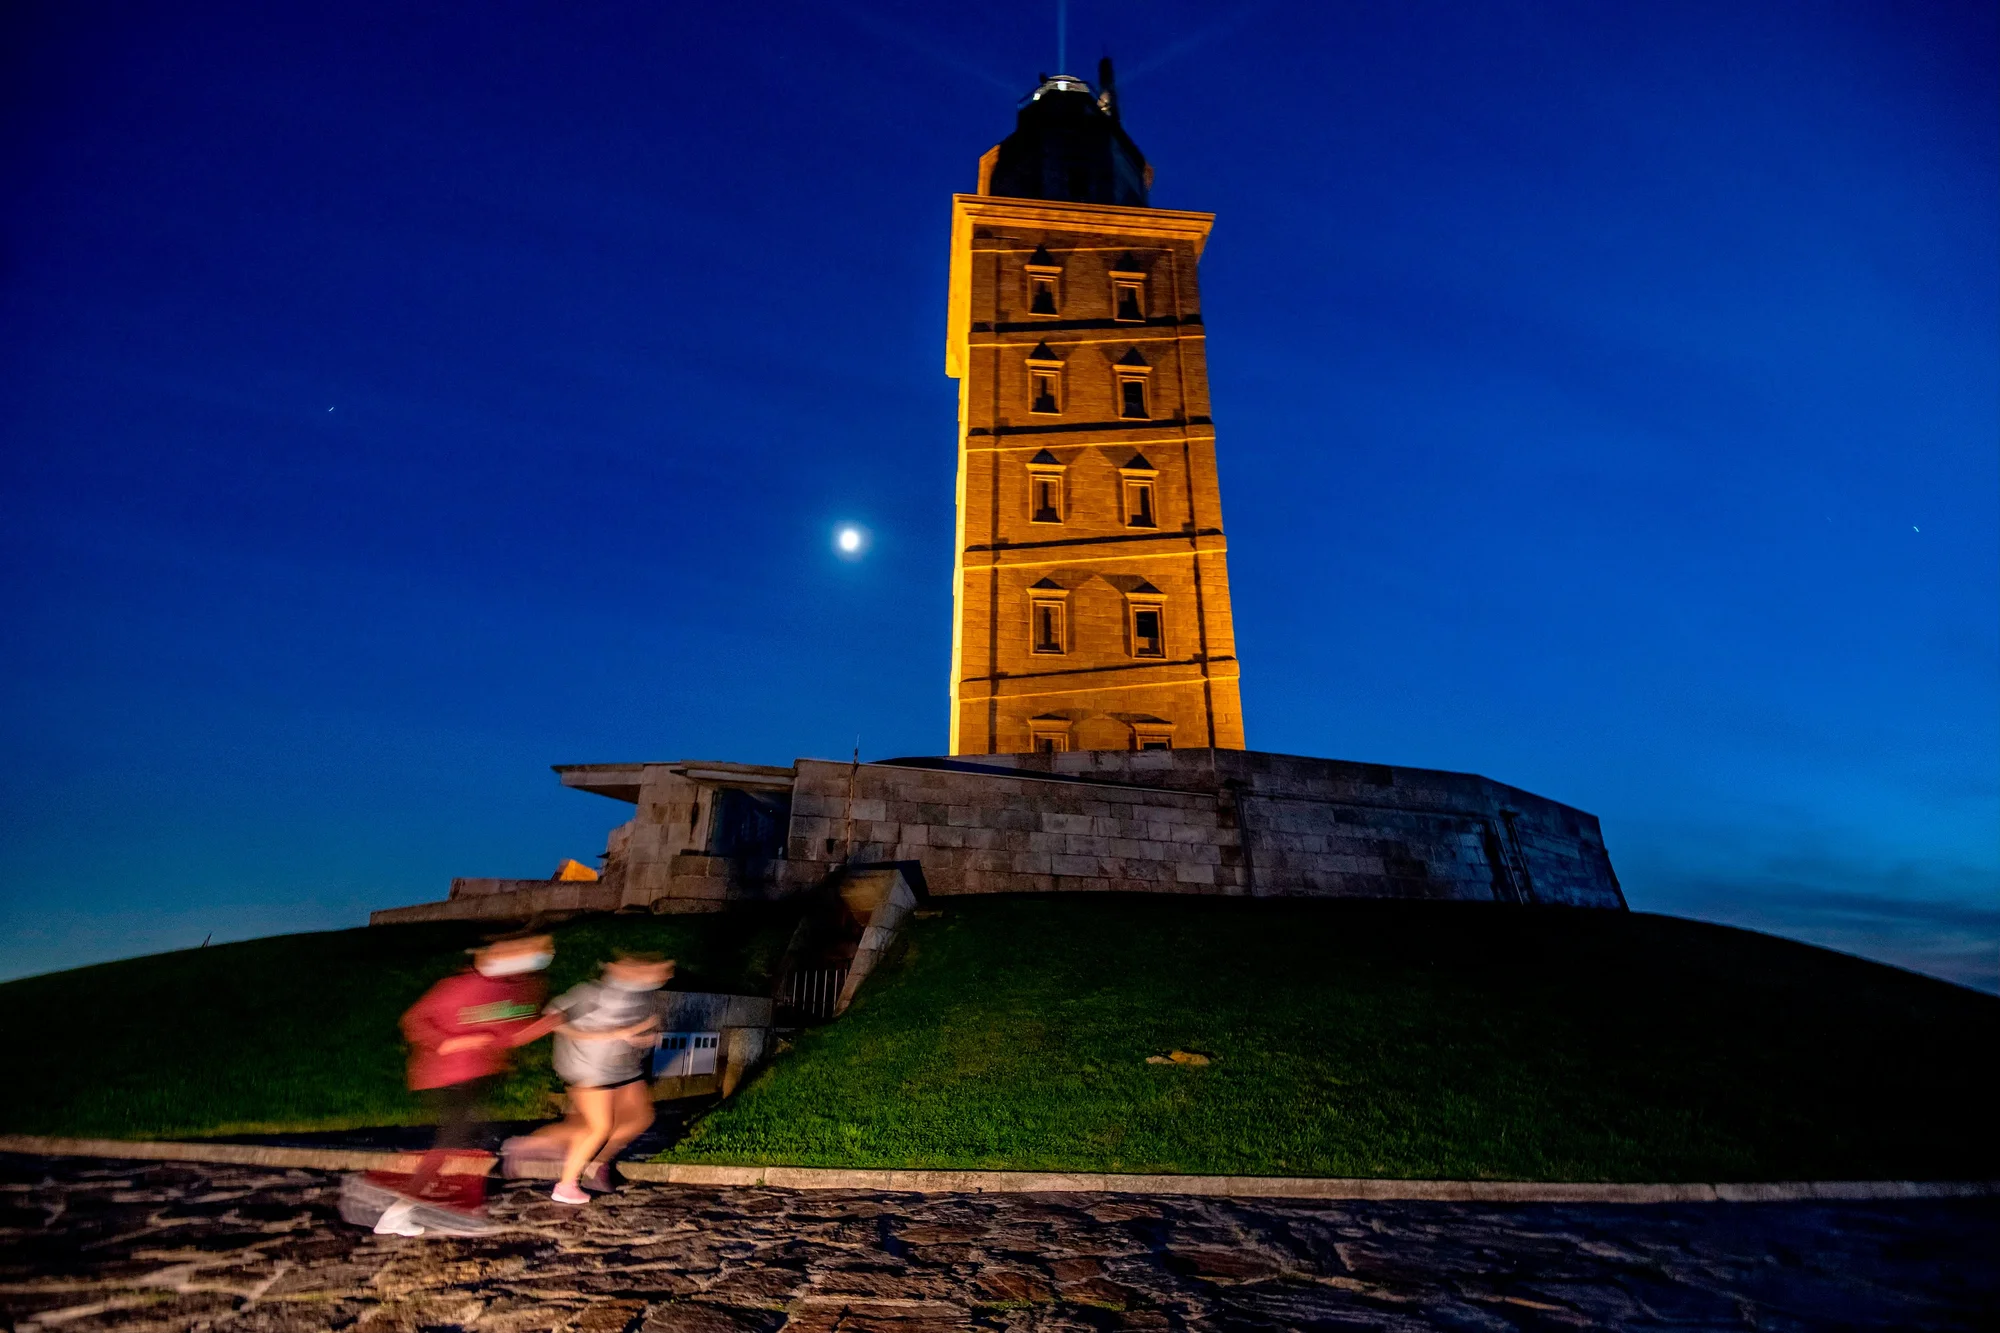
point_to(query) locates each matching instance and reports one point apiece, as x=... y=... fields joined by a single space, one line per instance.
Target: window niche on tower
x=1146 y=620
x=1044 y=283
x=1050 y=732
x=1046 y=392
x=1048 y=613
x=1128 y=291
x=1138 y=479
x=1045 y=488
x=1133 y=389
x=1045 y=386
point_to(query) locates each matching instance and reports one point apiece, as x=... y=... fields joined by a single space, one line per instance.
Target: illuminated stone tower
x=1091 y=590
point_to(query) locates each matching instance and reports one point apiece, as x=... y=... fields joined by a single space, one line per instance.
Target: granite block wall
x=990 y=832
x=1180 y=821
x=506 y=900
x=1232 y=822
x=1333 y=827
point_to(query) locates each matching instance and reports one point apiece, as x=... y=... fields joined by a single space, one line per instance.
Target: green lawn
x=298 y=1032
x=1377 y=1039
x=1356 y=1038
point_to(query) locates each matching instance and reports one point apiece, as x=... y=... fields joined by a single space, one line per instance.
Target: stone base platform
x=1240 y=822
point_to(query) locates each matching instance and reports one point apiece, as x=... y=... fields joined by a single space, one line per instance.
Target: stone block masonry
x=507 y=899
x=1078 y=501
x=1000 y=832
x=1239 y=822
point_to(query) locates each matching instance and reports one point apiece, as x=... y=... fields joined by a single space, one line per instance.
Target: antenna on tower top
x=1062 y=36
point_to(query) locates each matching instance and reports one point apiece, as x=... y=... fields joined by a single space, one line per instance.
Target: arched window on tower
x=1043 y=399
x=1044 y=283
x=1128 y=290
x=1133 y=372
x=1050 y=732
x=1047 y=500
x=1146 y=620
x=1048 y=627
x=1048 y=612
x=1138 y=477
x=1148 y=638
x=1045 y=386
x=1045 y=488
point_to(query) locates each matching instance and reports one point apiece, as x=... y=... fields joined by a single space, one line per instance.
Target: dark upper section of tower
x=1067 y=144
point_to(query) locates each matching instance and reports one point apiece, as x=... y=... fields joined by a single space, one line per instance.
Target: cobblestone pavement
x=93 y=1245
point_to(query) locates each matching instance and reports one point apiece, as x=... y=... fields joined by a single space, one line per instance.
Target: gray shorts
x=598 y=1064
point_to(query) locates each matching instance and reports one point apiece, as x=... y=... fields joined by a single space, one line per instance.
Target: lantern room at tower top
x=1068 y=144
x=1090 y=588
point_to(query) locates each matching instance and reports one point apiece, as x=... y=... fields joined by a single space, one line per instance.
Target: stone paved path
x=87 y=1246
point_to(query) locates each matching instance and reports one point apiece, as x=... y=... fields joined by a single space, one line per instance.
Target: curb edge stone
x=895 y=1180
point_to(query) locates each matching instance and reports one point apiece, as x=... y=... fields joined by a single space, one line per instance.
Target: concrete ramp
x=887 y=899
x=849 y=924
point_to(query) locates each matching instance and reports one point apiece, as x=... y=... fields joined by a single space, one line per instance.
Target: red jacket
x=461 y=1006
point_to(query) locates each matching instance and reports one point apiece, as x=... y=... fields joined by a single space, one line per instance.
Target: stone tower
x=1091 y=590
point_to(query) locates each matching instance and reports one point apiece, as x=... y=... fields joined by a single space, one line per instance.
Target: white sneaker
x=396 y=1220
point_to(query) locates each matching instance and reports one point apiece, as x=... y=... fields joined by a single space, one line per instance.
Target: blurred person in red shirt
x=462 y=1034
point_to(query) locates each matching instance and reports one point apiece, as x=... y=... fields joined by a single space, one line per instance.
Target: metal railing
x=811 y=993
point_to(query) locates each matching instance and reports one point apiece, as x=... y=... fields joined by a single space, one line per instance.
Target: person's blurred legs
x=559 y=1129
x=458 y=1107
x=631 y=1116
x=529 y=1154
x=594 y=1105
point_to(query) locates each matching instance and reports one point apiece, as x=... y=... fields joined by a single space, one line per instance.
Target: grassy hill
x=1377 y=1039
x=297 y=1032
x=1346 y=1038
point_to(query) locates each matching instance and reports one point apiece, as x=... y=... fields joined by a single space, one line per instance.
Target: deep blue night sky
x=398 y=399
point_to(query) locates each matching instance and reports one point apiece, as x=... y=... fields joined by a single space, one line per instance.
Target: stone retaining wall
x=1337 y=828
x=994 y=833
x=499 y=902
x=1179 y=821
x=1230 y=822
